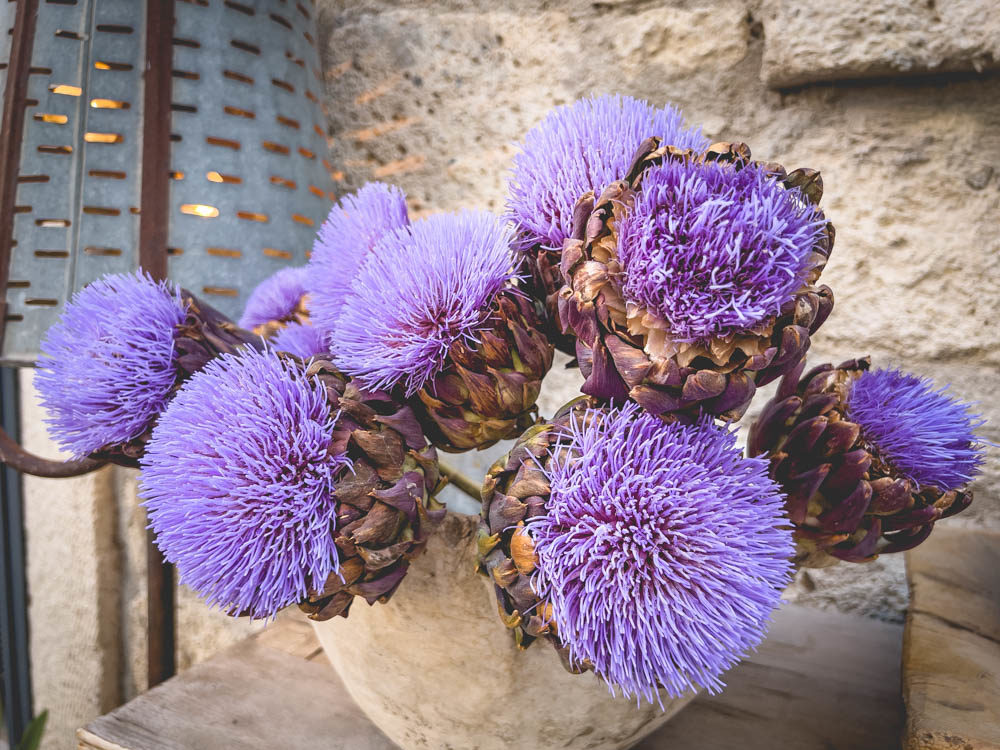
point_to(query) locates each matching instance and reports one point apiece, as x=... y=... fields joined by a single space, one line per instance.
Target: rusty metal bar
x=153 y=231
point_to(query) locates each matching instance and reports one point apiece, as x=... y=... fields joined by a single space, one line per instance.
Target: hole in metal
x=183 y=108
x=51 y=254
x=14 y=318
x=288 y=122
x=275 y=148
x=41 y=302
x=189 y=75
x=187 y=42
x=175 y=251
x=316 y=191
x=22 y=209
x=225 y=178
x=109 y=174
x=18 y=284
x=275 y=180
x=240 y=7
x=50 y=118
x=52 y=223
x=108 y=104
x=101 y=211
x=245 y=46
x=283 y=85
x=105 y=65
x=237 y=77
x=223 y=252
x=113 y=28
x=281 y=21
x=237 y=112
x=103 y=137
x=92 y=250
x=39 y=71
x=64 y=34
x=225 y=142
x=307 y=153
x=55 y=149
x=272 y=252
x=252 y=216
x=33 y=178
x=200 y=209
x=311 y=97
x=221 y=291
x=300 y=219
x=65 y=89
x=174 y=175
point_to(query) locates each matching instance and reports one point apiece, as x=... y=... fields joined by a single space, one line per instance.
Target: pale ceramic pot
x=435 y=669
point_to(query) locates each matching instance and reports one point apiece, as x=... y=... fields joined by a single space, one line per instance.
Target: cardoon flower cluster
x=657 y=554
x=628 y=531
x=712 y=251
x=238 y=482
x=108 y=366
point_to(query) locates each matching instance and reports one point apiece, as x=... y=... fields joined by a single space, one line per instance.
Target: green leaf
x=32 y=737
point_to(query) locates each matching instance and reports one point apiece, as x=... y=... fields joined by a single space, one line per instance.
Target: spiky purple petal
x=713 y=250
x=422 y=289
x=276 y=298
x=581 y=147
x=925 y=433
x=663 y=550
x=353 y=227
x=302 y=340
x=238 y=483
x=108 y=365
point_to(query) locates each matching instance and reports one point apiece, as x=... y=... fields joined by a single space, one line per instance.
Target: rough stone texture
x=951 y=647
x=815 y=40
x=449 y=611
x=433 y=97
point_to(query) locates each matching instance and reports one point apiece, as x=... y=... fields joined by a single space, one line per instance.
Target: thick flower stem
x=460 y=481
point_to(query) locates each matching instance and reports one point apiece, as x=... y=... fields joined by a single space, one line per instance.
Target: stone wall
x=892 y=100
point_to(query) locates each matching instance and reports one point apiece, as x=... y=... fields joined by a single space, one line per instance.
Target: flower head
x=301 y=339
x=663 y=551
x=423 y=288
x=276 y=298
x=108 y=365
x=926 y=434
x=713 y=250
x=580 y=147
x=238 y=483
x=352 y=229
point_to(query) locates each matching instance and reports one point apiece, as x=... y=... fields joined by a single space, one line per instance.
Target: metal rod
x=461 y=482
x=14 y=645
x=153 y=237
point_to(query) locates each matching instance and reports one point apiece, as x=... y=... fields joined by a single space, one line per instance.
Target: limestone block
x=816 y=40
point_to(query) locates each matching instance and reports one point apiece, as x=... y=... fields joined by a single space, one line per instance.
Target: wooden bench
x=821 y=680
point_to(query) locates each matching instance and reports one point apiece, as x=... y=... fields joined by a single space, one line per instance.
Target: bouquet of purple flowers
x=292 y=458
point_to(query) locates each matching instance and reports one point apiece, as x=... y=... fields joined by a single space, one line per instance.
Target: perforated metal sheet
x=249 y=185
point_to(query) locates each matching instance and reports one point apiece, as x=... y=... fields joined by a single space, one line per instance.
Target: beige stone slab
x=821 y=680
x=817 y=40
x=951 y=652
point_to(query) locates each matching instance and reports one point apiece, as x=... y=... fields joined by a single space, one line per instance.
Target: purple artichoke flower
x=238 y=478
x=424 y=288
x=108 y=366
x=276 y=298
x=927 y=435
x=662 y=550
x=301 y=339
x=353 y=228
x=713 y=251
x=581 y=147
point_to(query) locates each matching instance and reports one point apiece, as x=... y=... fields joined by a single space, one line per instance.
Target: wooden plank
x=822 y=680
x=951 y=653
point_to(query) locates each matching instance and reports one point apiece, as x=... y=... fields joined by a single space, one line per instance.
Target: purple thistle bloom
x=713 y=250
x=108 y=365
x=663 y=551
x=353 y=228
x=424 y=288
x=302 y=340
x=926 y=434
x=276 y=298
x=581 y=147
x=238 y=482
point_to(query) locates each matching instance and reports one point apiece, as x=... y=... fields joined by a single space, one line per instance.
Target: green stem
x=461 y=482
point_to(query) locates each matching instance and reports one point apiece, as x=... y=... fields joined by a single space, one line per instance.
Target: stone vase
x=435 y=669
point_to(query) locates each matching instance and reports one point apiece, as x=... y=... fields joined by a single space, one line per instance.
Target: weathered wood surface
x=822 y=680
x=951 y=652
